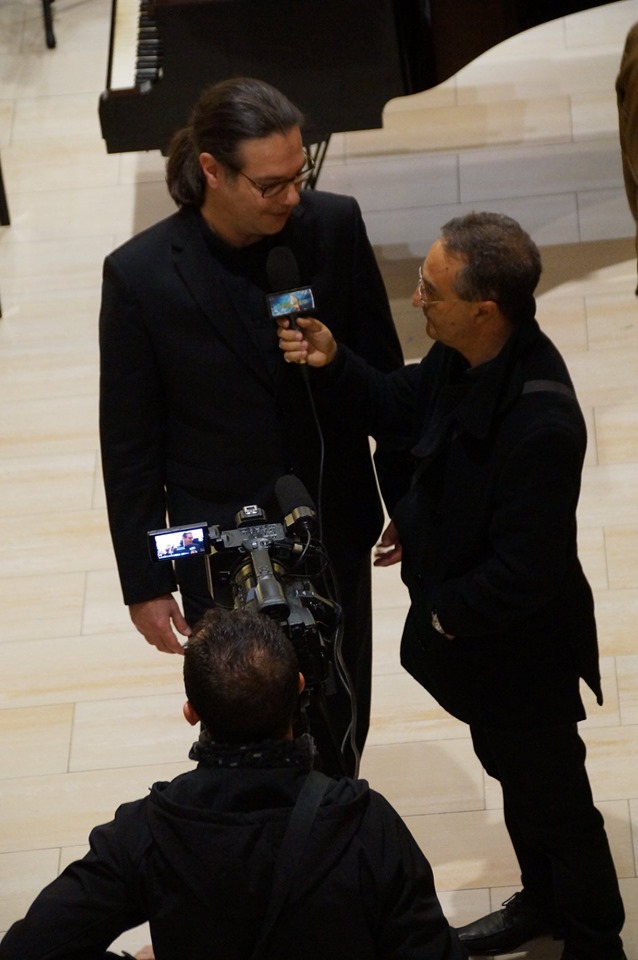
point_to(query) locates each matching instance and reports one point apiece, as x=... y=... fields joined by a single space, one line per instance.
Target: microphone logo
x=289 y=299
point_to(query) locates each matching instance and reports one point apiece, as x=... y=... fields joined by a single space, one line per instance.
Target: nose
x=416 y=298
x=292 y=194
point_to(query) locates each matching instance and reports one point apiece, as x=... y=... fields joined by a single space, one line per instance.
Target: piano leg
x=317 y=152
x=48 y=23
x=4 y=210
x=5 y=220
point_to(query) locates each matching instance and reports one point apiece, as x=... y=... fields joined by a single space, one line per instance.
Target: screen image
x=179 y=543
x=291 y=301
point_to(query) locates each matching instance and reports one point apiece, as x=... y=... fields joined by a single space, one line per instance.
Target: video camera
x=278 y=569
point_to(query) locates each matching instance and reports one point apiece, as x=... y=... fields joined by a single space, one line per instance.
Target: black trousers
x=558 y=834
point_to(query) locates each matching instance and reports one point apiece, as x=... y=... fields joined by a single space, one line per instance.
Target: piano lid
x=462 y=30
x=340 y=61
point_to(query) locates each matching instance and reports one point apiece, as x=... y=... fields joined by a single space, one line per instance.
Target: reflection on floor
x=89 y=715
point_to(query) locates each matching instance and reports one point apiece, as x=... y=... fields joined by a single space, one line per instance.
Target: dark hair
x=502 y=262
x=226 y=114
x=241 y=676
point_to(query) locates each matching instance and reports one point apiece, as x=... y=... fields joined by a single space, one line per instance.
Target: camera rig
x=281 y=570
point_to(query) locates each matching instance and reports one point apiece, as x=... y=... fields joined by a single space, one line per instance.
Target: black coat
x=195 y=393
x=489 y=526
x=196 y=858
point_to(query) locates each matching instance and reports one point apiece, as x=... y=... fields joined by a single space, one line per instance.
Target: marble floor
x=89 y=715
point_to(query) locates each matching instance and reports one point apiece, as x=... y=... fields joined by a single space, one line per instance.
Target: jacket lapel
x=203 y=278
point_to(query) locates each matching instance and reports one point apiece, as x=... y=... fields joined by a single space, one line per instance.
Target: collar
x=495 y=385
x=264 y=754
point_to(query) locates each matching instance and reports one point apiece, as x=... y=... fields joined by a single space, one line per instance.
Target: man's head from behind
x=502 y=263
x=241 y=676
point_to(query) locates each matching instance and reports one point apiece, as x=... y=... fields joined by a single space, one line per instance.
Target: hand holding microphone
x=311 y=342
x=301 y=338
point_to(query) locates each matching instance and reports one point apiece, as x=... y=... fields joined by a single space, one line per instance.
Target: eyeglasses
x=273 y=189
x=425 y=299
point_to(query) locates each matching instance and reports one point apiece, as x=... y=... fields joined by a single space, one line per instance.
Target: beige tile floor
x=89 y=716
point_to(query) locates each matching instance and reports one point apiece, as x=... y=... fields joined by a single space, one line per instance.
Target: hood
x=211 y=823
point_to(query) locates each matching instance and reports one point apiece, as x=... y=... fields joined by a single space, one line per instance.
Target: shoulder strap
x=292 y=848
x=548 y=386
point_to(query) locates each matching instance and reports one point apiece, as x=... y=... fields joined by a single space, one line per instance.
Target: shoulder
x=153 y=239
x=536 y=360
x=128 y=830
x=334 y=206
x=546 y=411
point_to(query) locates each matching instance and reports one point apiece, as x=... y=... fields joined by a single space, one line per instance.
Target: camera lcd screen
x=177 y=542
x=297 y=301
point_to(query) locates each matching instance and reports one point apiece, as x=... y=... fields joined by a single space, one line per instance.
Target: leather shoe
x=505 y=930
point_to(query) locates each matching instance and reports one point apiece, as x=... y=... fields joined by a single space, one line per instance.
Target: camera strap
x=291 y=850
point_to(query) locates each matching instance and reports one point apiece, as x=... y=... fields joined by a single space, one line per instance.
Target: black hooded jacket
x=488 y=526
x=196 y=857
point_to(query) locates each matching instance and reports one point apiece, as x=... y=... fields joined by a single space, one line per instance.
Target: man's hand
x=153 y=620
x=312 y=343
x=389 y=550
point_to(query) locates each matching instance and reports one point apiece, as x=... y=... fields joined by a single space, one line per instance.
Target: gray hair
x=502 y=262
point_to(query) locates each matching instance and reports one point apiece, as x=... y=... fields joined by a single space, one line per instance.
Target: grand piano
x=340 y=61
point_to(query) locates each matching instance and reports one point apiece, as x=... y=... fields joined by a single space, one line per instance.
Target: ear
x=211 y=169
x=487 y=310
x=302 y=682
x=190 y=713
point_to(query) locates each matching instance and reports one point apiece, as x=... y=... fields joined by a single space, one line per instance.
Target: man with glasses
x=188 y=295
x=501 y=624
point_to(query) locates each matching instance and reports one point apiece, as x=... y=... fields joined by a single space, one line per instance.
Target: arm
x=78 y=915
x=133 y=457
x=382 y=404
x=409 y=919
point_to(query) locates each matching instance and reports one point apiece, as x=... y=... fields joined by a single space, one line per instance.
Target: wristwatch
x=436 y=623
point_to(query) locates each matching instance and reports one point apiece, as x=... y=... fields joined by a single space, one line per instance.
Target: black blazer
x=195 y=394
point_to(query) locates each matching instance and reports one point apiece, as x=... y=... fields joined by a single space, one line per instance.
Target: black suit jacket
x=194 y=393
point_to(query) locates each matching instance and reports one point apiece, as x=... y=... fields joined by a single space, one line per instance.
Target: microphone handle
x=292 y=319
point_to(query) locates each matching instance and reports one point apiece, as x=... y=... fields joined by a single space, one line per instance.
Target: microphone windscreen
x=282 y=269
x=291 y=494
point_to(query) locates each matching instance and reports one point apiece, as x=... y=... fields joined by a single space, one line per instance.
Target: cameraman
x=196 y=858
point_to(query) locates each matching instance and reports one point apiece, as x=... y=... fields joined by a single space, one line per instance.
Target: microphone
x=288 y=299
x=296 y=505
x=282 y=269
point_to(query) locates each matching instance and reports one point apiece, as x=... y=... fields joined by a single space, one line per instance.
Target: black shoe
x=505 y=930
